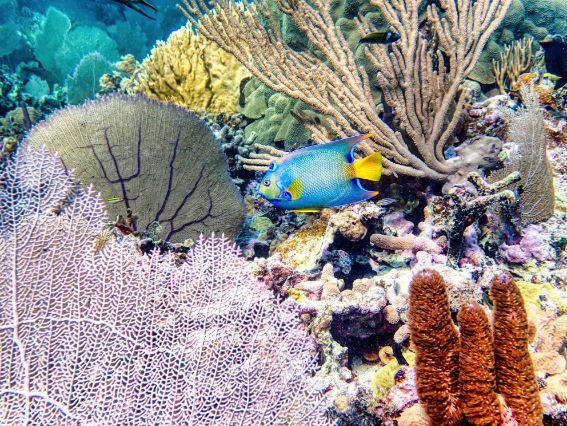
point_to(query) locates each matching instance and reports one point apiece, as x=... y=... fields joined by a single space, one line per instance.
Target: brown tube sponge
x=476 y=362
x=515 y=376
x=437 y=348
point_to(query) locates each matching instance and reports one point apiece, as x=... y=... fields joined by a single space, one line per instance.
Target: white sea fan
x=111 y=337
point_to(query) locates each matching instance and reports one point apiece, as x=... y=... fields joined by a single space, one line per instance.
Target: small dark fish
x=380 y=38
x=136 y=5
x=434 y=2
x=555 y=49
x=26 y=115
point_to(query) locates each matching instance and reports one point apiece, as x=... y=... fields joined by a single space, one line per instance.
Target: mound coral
x=192 y=72
x=157 y=161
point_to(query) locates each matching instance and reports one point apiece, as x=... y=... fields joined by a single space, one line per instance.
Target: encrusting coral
x=453 y=376
x=192 y=72
x=333 y=84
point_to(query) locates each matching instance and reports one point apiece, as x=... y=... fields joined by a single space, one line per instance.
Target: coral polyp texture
x=192 y=72
x=476 y=366
x=157 y=160
x=484 y=361
x=514 y=369
x=109 y=336
x=527 y=131
x=437 y=345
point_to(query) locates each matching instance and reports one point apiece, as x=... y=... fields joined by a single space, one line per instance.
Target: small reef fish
x=380 y=38
x=133 y=4
x=319 y=176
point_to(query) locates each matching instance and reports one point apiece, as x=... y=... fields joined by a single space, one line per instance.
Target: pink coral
x=533 y=245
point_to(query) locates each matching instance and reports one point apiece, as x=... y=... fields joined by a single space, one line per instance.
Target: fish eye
x=286 y=195
x=273 y=166
x=266 y=182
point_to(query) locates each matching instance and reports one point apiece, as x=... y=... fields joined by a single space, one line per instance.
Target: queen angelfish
x=319 y=176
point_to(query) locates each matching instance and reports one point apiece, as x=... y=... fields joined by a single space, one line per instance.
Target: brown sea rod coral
x=421 y=84
x=514 y=369
x=437 y=345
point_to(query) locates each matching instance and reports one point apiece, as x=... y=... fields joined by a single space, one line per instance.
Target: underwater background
x=287 y=212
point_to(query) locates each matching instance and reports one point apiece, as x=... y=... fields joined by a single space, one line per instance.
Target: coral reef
x=136 y=152
x=515 y=60
x=192 y=72
x=477 y=375
x=526 y=130
x=464 y=372
x=336 y=87
x=142 y=330
x=437 y=346
x=514 y=369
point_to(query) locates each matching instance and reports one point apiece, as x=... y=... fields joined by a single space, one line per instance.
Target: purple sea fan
x=108 y=336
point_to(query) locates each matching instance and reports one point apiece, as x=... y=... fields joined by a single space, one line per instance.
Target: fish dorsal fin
x=295 y=189
x=344 y=146
x=368 y=168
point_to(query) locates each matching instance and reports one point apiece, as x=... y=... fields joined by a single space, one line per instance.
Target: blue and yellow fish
x=327 y=175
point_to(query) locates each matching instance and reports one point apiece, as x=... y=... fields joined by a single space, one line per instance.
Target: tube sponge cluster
x=459 y=376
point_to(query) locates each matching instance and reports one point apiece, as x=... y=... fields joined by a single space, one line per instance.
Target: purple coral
x=534 y=244
x=108 y=336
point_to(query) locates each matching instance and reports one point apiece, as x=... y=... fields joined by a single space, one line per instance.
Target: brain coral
x=192 y=72
x=158 y=160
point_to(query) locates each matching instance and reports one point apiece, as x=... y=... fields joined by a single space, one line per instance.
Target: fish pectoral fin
x=307 y=210
x=295 y=189
x=368 y=168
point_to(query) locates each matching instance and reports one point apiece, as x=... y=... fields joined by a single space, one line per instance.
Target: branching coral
x=468 y=207
x=515 y=60
x=470 y=373
x=424 y=92
x=192 y=72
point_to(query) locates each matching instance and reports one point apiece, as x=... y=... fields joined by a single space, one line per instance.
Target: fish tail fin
x=369 y=168
x=365 y=136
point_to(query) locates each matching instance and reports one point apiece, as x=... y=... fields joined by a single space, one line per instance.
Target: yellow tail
x=369 y=168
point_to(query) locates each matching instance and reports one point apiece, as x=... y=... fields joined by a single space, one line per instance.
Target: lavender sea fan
x=108 y=336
